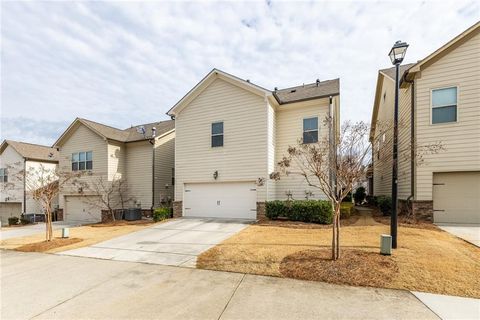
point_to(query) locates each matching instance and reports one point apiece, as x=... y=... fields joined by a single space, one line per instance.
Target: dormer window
x=82 y=161
x=310 y=130
x=217 y=134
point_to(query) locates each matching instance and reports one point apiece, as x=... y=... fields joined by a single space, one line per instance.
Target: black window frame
x=217 y=138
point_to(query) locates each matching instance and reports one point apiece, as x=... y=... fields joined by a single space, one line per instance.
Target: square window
x=75 y=157
x=81 y=166
x=74 y=166
x=82 y=156
x=89 y=156
x=89 y=165
x=217 y=128
x=444 y=114
x=310 y=137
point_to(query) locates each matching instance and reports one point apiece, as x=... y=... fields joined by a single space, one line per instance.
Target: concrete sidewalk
x=44 y=286
x=467 y=232
x=449 y=307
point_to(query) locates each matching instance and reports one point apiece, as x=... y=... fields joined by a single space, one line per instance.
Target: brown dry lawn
x=87 y=235
x=428 y=259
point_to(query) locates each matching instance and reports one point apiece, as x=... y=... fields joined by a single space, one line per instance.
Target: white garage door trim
x=79 y=210
x=228 y=200
x=456 y=197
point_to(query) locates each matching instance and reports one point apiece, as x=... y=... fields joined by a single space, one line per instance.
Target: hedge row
x=317 y=211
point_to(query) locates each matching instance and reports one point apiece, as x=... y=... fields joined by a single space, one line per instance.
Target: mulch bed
x=48 y=245
x=355 y=267
x=122 y=223
x=404 y=221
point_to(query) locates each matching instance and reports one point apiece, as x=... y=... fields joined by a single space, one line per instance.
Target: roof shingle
x=309 y=91
x=34 y=151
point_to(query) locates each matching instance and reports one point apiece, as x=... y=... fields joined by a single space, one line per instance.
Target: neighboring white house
x=231 y=133
x=439 y=104
x=16 y=159
x=143 y=156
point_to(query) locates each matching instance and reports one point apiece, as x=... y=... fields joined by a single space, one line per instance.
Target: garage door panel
x=82 y=209
x=456 y=197
x=221 y=200
x=10 y=209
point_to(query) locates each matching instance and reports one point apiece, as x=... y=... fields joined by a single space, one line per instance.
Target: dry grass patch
x=43 y=246
x=90 y=234
x=357 y=267
x=428 y=260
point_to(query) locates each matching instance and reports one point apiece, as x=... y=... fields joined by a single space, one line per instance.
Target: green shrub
x=275 y=209
x=348 y=197
x=12 y=221
x=372 y=200
x=385 y=204
x=346 y=210
x=25 y=221
x=359 y=195
x=160 y=214
x=317 y=211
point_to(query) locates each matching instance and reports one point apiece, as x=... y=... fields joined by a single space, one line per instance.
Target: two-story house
x=439 y=106
x=143 y=156
x=18 y=159
x=230 y=133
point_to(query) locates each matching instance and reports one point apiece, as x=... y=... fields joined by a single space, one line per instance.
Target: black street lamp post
x=397 y=53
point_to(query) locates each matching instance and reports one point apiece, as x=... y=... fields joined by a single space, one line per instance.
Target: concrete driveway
x=27 y=230
x=175 y=243
x=468 y=232
x=46 y=286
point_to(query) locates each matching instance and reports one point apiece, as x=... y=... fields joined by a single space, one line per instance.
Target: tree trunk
x=336 y=233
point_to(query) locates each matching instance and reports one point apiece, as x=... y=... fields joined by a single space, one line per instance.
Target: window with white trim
x=82 y=161
x=310 y=130
x=3 y=175
x=217 y=134
x=444 y=105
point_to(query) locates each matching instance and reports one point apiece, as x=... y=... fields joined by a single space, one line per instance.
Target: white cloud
x=128 y=63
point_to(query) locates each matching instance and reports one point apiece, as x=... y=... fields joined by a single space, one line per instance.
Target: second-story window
x=82 y=161
x=3 y=175
x=217 y=134
x=444 y=105
x=310 y=130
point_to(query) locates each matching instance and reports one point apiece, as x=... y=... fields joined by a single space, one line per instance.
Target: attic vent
x=293 y=90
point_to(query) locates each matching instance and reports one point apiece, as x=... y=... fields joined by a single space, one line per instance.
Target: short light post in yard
x=397 y=53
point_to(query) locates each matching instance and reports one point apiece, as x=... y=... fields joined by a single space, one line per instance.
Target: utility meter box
x=65 y=232
x=386 y=244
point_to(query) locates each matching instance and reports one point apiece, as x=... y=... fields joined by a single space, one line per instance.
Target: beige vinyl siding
x=138 y=164
x=14 y=163
x=461 y=140
x=116 y=160
x=272 y=139
x=83 y=139
x=34 y=168
x=289 y=131
x=382 y=165
x=164 y=163
x=404 y=145
x=244 y=154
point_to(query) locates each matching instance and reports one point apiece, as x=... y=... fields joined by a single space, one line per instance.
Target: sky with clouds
x=125 y=64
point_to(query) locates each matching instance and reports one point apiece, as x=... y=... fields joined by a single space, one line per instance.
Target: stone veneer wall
x=422 y=209
x=261 y=211
x=177 y=209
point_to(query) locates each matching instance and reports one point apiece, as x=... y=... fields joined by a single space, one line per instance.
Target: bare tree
x=111 y=195
x=336 y=170
x=43 y=185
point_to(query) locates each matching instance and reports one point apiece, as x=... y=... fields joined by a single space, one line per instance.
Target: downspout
x=412 y=138
x=332 y=137
x=152 y=141
x=24 y=186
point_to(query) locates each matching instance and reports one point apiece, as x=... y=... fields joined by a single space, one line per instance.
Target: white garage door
x=9 y=209
x=81 y=210
x=220 y=200
x=456 y=197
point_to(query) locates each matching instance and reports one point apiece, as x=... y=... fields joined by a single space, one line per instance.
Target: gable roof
x=283 y=96
x=31 y=151
x=207 y=80
x=121 y=135
x=390 y=72
x=446 y=48
x=309 y=91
